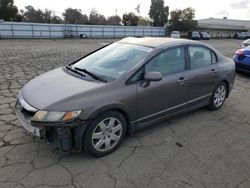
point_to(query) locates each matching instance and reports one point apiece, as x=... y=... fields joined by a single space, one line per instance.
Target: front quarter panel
x=116 y=96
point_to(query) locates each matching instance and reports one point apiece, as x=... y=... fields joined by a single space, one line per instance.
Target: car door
x=204 y=73
x=169 y=95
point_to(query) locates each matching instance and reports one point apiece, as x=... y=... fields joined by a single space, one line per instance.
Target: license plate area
x=37 y=131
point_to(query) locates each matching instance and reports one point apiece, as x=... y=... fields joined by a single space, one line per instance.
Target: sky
x=233 y=9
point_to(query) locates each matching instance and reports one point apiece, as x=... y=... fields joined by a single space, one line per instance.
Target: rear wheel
x=105 y=134
x=218 y=97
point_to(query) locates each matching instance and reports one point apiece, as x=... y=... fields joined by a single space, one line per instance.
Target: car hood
x=56 y=90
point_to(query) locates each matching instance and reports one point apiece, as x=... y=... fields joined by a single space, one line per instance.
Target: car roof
x=155 y=42
x=246 y=41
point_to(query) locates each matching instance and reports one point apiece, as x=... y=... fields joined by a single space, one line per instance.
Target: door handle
x=213 y=71
x=182 y=80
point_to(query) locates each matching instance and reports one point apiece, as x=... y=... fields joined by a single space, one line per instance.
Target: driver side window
x=168 y=62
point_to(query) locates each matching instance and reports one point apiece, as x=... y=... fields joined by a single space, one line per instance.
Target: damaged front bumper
x=63 y=135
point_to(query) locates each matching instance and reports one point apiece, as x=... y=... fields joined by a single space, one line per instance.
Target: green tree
x=8 y=11
x=30 y=14
x=56 y=19
x=130 y=19
x=114 y=20
x=74 y=16
x=158 y=13
x=46 y=16
x=96 y=19
x=33 y=15
x=183 y=20
x=144 y=21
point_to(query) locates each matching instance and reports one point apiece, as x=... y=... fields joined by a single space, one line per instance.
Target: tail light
x=241 y=46
x=239 y=52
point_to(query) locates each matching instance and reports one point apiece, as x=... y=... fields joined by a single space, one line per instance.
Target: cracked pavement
x=198 y=149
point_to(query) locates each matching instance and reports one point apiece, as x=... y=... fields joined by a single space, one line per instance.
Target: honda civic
x=92 y=103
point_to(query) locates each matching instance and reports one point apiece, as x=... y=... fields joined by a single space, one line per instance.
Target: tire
x=104 y=134
x=218 y=97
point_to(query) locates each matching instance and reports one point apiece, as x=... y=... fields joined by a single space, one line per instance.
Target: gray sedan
x=244 y=44
x=91 y=104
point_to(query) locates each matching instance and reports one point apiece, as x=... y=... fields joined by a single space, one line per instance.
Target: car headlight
x=51 y=116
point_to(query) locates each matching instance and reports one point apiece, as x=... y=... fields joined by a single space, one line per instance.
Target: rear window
x=195 y=33
x=176 y=32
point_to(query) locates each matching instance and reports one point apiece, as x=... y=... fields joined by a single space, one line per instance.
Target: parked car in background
x=247 y=34
x=93 y=102
x=244 y=44
x=175 y=34
x=194 y=35
x=241 y=35
x=204 y=36
x=242 y=59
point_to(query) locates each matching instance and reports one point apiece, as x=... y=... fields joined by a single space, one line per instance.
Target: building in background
x=223 y=28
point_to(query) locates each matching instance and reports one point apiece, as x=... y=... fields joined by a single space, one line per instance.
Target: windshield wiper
x=73 y=70
x=91 y=74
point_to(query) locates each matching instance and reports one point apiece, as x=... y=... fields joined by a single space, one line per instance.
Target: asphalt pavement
x=199 y=149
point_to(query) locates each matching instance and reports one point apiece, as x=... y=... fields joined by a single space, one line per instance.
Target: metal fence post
x=32 y=30
x=77 y=31
x=102 y=32
x=65 y=30
x=12 y=31
x=49 y=31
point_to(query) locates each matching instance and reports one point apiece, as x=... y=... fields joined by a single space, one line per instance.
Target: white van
x=175 y=34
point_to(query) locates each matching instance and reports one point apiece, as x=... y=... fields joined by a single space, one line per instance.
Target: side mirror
x=151 y=77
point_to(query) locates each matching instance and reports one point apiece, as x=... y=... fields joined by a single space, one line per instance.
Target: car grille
x=23 y=112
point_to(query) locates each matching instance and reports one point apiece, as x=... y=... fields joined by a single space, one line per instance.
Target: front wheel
x=105 y=134
x=218 y=97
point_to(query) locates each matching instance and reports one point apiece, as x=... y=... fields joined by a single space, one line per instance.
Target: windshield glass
x=114 y=60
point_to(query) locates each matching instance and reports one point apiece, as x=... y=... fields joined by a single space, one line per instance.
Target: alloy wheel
x=219 y=96
x=107 y=134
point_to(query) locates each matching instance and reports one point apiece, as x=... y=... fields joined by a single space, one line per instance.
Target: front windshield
x=114 y=60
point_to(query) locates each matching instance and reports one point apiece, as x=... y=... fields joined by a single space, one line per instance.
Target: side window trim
x=216 y=58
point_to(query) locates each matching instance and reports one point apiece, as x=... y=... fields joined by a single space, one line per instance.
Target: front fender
x=89 y=115
x=92 y=113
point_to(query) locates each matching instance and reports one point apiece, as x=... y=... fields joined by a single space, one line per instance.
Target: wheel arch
x=119 y=109
x=227 y=84
x=80 y=130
